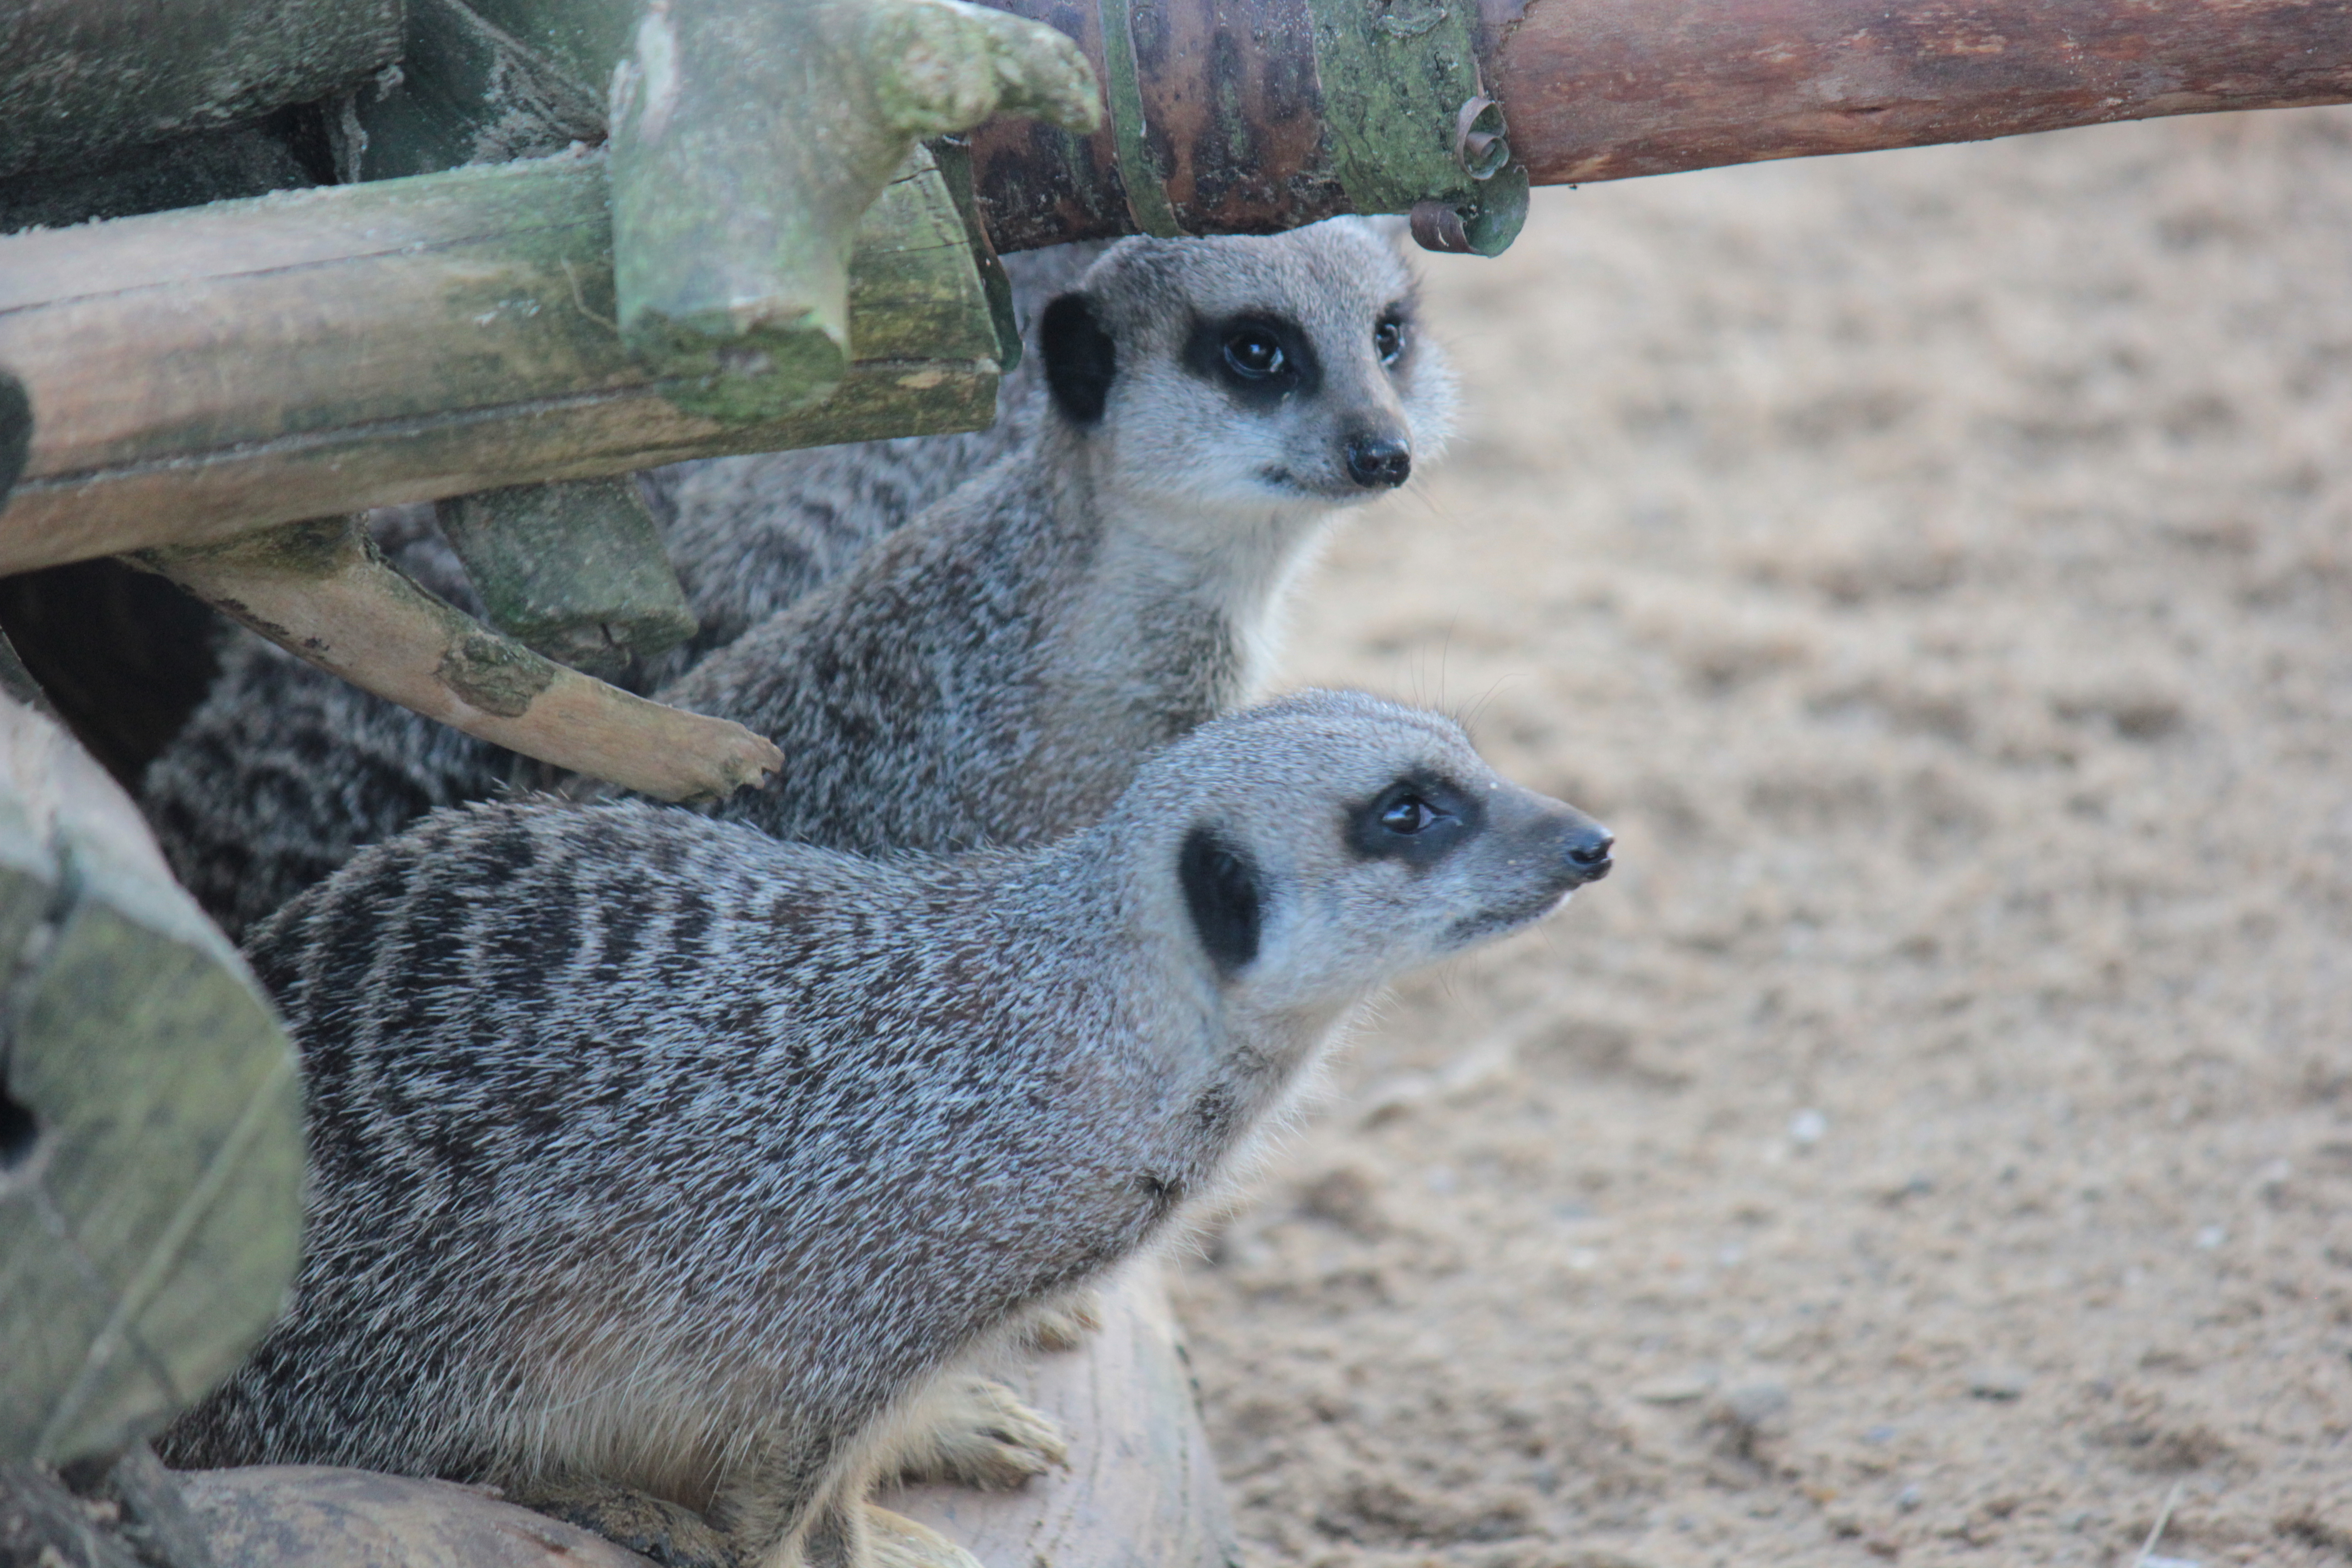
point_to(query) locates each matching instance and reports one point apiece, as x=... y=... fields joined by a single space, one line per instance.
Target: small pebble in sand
x=1908 y=1497
x=1685 y=1389
x=1750 y=1414
x=1999 y=1382
x=2210 y=1238
x=1807 y=1128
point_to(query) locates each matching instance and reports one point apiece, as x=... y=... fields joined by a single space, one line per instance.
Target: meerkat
x=672 y=1176
x=284 y=771
x=993 y=672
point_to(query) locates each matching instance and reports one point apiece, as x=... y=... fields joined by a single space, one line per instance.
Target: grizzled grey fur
x=993 y=672
x=650 y=1151
x=285 y=771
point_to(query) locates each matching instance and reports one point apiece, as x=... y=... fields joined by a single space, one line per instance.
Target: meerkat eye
x=1417 y=819
x=1254 y=353
x=1388 y=341
x=1409 y=813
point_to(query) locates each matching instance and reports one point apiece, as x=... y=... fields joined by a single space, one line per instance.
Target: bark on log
x=151 y=1121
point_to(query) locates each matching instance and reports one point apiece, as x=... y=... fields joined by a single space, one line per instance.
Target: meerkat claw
x=894 y=1541
x=1065 y=1327
x=982 y=1435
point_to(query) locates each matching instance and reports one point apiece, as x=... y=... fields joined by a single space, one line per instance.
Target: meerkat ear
x=1080 y=358
x=1220 y=887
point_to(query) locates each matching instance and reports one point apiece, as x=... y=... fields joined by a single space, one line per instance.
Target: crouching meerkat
x=993 y=672
x=284 y=771
x=671 y=1176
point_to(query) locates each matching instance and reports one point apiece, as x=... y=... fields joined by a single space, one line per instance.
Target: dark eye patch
x=1260 y=358
x=1416 y=819
x=1223 y=893
x=1391 y=338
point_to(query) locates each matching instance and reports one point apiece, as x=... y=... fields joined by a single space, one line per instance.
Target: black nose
x=1379 y=462
x=1588 y=850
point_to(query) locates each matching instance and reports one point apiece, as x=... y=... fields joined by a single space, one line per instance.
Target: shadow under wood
x=124 y=655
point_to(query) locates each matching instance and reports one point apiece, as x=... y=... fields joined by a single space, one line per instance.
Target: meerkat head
x=1320 y=846
x=1288 y=371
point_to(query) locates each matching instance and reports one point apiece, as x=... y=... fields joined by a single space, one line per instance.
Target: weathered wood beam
x=199 y=374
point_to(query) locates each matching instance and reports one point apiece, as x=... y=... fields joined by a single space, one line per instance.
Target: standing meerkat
x=993 y=672
x=284 y=771
x=659 y=1166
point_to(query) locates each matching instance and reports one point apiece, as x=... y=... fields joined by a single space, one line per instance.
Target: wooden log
x=574 y=570
x=80 y=80
x=746 y=142
x=314 y=1516
x=1232 y=95
x=322 y=591
x=1139 y=1488
x=295 y=357
x=197 y=374
x=1603 y=89
x=151 y=1121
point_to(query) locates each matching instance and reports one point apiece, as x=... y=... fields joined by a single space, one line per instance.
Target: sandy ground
x=1936 y=1142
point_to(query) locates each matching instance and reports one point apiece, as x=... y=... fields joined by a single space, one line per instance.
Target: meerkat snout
x=1588 y=844
x=1379 y=462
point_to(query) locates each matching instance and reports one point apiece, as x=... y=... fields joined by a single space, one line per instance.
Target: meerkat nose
x=1379 y=462
x=1588 y=850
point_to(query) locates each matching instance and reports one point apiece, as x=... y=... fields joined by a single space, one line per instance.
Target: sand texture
x=1934 y=1145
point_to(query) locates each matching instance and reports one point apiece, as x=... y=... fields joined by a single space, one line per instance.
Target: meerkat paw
x=671 y=1534
x=981 y=1436
x=894 y=1541
x=1065 y=1326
